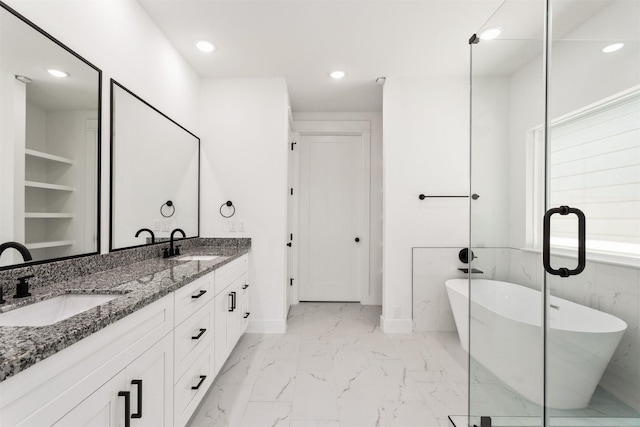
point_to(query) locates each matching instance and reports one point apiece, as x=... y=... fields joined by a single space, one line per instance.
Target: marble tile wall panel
x=431 y=268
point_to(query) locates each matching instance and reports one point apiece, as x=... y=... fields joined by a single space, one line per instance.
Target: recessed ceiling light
x=490 y=34
x=337 y=74
x=613 y=47
x=57 y=73
x=205 y=46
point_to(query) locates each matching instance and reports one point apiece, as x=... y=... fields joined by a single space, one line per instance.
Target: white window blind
x=594 y=165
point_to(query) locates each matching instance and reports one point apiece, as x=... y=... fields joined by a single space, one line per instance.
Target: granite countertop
x=139 y=284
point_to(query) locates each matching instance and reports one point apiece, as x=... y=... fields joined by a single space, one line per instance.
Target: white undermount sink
x=197 y=258
x=53 y=310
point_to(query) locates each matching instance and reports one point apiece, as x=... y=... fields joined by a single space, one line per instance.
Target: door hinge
x=292 y=144
x=292 y=191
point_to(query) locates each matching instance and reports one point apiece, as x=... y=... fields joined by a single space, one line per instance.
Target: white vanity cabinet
x=82 y=382
x=162 y=359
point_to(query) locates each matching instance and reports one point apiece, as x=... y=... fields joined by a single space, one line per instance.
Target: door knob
x=357 y=239
x=289 y=244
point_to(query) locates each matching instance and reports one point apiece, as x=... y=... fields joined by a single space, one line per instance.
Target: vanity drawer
x=186 y=396
x=192 y=337
x=193 y=296
x=227 y=274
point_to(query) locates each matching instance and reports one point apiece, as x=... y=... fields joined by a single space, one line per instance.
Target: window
x=594 y=165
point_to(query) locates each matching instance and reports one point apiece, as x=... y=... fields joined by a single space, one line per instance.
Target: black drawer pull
x=245 y=286
x=247 y=315
x=202 y=378
x=202 y=331
x=202 y=292
x=127 y=407
x=139 y=384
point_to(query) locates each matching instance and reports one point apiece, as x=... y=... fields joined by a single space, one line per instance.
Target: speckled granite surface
x=138 y=278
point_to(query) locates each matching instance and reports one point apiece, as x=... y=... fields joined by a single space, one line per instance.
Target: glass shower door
x=554 y=288
x=591 y=233
x=506 y=334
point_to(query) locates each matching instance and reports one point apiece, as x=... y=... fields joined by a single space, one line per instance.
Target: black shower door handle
x=546 y=242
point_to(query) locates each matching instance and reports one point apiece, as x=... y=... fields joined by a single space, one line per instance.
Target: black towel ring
x=230 y=204
x=168 y=204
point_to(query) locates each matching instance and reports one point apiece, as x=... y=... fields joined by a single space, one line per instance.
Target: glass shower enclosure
x=554 y=297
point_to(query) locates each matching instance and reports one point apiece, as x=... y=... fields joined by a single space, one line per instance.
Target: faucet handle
x=165 y=252
x=22 y=287
x=177 y=250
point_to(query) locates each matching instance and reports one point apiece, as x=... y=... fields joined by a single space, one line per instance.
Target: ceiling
x=304 y=40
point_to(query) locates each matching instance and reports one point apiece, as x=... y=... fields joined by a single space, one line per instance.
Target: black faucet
x=173 y=251
x=26 y=255
x=22 y=289
x=153 y=237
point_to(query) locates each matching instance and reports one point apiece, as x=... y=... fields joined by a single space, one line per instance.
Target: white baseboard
x=396 y=326
x=274 y=326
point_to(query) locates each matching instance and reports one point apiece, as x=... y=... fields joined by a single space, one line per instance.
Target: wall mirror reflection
x=49 y=145
x=154 y=173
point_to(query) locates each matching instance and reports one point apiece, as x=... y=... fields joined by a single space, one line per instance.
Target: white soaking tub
x=507 y=339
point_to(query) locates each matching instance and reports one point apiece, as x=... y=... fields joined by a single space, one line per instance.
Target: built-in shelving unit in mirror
x=49 y=145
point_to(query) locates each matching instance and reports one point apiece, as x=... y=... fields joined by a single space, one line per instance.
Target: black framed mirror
x=50 y=105
x=155 y=173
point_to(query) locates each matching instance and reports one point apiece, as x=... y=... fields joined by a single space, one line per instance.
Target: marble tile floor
x=335 y=368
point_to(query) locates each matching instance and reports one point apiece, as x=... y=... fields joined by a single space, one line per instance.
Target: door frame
x=361 y=128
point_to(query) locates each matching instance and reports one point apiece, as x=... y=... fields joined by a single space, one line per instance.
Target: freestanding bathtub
x=507 y=339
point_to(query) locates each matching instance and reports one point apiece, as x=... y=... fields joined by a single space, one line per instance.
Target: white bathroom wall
x=244 y=147
x=375 y=204
x=119 y=37
x=425 y=150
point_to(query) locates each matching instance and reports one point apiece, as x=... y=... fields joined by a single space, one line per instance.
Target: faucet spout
x=26 y=255
x=172 y=252
x=153 y=237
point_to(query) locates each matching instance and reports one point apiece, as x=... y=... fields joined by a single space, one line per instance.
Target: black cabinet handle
x=202 y=378
x=245 y=286
x=233 y=300
x=127 y=407
x=357 y=239
x=202 y=331
x=546 y=242
x=246 y=315
x=202 y=292
x=139 y=384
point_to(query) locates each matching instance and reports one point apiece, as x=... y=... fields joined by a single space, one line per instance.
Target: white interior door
x=334 y=207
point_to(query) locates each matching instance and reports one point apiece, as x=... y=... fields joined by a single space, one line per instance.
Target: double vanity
x=143 y=349
x=129 y=337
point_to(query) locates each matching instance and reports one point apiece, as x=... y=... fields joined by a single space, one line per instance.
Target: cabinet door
x=150 y=383
x=221 y=313
x=103 y=408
